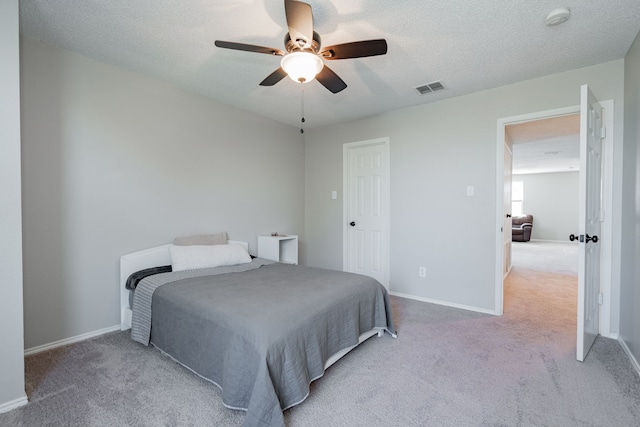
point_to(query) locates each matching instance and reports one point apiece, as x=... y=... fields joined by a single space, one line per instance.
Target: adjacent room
x=180 y=136
x=545 y=211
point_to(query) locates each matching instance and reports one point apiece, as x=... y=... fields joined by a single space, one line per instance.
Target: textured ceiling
x=469 y=45
x=547 y=145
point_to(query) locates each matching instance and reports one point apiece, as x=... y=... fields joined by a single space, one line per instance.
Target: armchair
x=521 y=228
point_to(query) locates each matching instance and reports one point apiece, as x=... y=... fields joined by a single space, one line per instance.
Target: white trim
x=632 y=358
x=498 y=304
x=13 y=404
x=385 y=142
x=444 y=303
x=67 y=341
x=606 y=251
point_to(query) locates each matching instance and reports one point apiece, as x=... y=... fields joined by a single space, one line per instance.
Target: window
x=517 y=198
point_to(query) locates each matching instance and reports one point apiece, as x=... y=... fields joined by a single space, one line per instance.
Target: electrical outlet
x=422 y=272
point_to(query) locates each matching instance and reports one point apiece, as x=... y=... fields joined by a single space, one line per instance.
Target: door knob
x=573 y=237
x=352 y=223
x=593 y=239
x=508 y=215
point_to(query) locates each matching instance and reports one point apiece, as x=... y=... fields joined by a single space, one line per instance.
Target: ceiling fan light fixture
x=301 y=67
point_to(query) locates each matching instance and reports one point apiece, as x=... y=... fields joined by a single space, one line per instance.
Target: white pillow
x=205 y=256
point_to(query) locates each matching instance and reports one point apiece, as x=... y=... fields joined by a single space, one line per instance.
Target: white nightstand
x=281 y=248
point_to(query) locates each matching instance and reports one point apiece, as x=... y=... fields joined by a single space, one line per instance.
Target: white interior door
x=591 y=134
x=367 y=209
x=506 y=210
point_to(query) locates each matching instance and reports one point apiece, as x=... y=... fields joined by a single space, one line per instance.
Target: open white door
x=591 y=134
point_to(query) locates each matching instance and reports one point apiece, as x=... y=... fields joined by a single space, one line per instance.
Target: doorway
x=607 y=189
x=544 y=174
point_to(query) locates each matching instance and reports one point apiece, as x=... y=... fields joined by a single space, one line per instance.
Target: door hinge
x=600 y=298
x=603 y=132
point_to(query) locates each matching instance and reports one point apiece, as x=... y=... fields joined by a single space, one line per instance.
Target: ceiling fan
x=304 y=58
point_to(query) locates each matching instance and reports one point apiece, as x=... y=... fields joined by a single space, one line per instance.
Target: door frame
x=346 y=149
x=607 y=196
x=506 y=269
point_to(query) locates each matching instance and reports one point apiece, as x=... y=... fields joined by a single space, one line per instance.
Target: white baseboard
x=632 y=358
x=67 y=341
x=13 y=404
x=445 y=303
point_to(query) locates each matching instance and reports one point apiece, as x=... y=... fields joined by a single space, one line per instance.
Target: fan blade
x=330 y=80
x=274 y=77
x=300 y=22
x=249 y=48
x=355 y=49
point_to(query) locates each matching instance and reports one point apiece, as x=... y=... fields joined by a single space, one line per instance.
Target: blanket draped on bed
x=141 y=319
x=271 y=332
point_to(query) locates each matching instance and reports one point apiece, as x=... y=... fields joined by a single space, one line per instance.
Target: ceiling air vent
x=430 y=87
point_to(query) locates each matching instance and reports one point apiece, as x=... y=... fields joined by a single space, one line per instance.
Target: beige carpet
x=558 y=257
x=541 y=290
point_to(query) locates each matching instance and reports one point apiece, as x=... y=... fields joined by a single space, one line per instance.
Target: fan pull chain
x=302 y=108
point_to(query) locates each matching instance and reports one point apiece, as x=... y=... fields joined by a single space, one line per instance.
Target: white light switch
x=470 y=190
x=334 y=195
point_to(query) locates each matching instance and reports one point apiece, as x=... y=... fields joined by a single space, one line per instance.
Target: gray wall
x=630 y=276
x=437 y=150
x=11 y=332
x=115 y=162
x=552 y=199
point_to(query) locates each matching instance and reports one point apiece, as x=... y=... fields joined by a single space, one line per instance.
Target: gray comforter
x=265 y=334
x=142 y=298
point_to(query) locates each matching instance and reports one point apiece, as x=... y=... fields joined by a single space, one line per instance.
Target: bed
x=261 y=331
